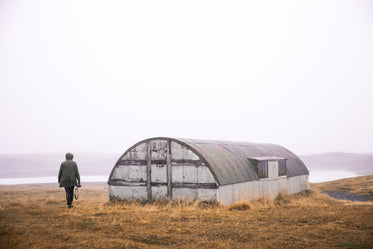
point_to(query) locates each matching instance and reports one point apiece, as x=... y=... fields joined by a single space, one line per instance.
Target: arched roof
x=229 y=162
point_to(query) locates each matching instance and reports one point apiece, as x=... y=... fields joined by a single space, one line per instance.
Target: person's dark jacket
x=68 y=175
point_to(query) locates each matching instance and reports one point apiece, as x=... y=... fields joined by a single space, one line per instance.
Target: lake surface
x=330 y=175
x=49 y=179
x=315 y=177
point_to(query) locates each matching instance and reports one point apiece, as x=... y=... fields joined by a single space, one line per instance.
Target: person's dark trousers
x=69 y=195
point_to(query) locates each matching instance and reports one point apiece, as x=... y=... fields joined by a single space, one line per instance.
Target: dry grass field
x=36 y=216
x=361 y=185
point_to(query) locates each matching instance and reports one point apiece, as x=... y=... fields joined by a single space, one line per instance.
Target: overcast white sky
x=98 y=76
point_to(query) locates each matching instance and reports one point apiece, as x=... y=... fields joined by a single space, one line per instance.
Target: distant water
x=48 y=179
x=329 y=175
x=315 y=177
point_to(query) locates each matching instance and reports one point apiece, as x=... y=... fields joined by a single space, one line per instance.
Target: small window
x=260 y=167
x=254 y=165
x=263 y=169
x=268 y=167
x=282 y=167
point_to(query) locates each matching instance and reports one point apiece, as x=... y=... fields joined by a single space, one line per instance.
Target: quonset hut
x=189 y=169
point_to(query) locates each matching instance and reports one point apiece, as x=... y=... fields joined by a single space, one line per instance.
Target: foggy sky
x=98 y=76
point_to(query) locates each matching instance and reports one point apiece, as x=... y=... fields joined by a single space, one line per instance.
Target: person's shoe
x=70 y=206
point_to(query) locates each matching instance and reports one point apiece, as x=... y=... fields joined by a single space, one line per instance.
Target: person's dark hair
x=69 y=156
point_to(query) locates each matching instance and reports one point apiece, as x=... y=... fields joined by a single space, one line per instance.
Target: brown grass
x=36 y=216
x=362 y=185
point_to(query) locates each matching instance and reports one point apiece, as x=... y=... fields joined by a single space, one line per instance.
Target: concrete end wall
x=178 y=173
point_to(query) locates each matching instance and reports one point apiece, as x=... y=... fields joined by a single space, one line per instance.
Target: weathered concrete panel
x=130 y=173
x=159 y=192
x=180 y=152
x=137 y=153
x=159 y=173
x=177 y=174
x=184 y=193
x=190 y=174
x=207 y=194
x=128 y=192
x=159 y=149
x=204 y=175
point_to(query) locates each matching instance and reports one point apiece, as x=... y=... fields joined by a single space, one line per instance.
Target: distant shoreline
x=49 y=180
x=315 y=177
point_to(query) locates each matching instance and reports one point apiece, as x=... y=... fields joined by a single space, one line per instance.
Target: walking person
x=68 y=177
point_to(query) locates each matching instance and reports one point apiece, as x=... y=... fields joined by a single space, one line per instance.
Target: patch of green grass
x=351 y=245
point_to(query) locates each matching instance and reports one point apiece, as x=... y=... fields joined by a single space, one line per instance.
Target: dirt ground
x=36 y=216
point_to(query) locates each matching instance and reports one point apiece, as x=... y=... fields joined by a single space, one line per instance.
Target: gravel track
x=341 y=195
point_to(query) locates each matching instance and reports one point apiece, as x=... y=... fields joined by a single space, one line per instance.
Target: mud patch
x=341 y=195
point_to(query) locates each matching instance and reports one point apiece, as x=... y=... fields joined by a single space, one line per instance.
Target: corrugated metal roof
x=229 y=160
x=267 y=158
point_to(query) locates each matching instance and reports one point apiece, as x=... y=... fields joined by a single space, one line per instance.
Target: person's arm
x=77 y=175
x=60 y=174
